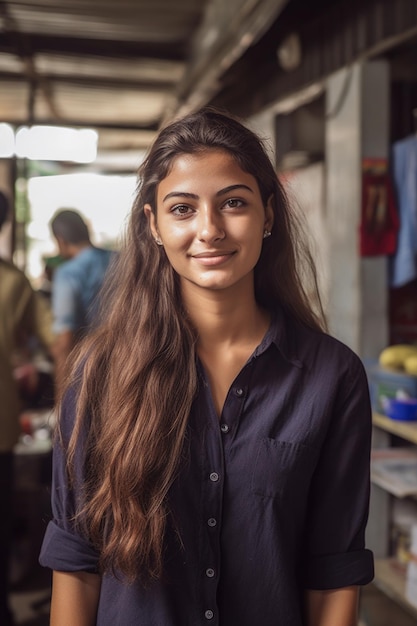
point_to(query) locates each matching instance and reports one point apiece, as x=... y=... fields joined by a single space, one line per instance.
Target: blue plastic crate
x=385 y=383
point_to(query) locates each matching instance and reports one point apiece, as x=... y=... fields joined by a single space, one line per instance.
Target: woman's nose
x=210 y=226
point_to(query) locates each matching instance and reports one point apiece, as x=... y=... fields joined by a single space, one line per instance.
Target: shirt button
x=209 y=614
x=214 y=477
x=212 y=522
x=224 y=428
x=239 y=392
x=210 y=572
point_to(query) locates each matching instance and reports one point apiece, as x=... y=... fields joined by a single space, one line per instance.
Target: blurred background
x=331 y=86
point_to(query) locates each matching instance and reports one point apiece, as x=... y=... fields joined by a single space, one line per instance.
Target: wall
x=357 y=127
x=354 y=288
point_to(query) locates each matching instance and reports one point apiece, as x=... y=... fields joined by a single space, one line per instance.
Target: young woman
x=213 y=460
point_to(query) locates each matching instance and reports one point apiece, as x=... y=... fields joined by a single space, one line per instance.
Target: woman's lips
x=209 y=259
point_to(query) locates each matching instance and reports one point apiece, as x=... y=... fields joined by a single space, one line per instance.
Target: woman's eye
x=181 y=209
x=233 y=203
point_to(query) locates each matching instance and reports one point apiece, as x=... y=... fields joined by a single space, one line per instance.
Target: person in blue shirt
x=211 y=465
x=76 y=284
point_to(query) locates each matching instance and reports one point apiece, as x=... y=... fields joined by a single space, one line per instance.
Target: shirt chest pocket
x=282 y=469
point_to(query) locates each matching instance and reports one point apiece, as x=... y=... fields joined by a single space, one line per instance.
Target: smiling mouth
x=213 y=258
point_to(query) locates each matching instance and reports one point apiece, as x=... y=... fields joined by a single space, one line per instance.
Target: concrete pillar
x=357 y=127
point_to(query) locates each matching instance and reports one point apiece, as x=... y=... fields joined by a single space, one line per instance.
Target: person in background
x=22 y=316
x=212 y=460
x=75 y=284
x=50 y=263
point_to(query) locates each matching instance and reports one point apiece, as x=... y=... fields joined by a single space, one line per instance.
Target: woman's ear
x=151 y=221
x=269 y=214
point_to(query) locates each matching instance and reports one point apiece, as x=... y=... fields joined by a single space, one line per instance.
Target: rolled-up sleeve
x=64 y=548
x=335 y=554
x=66 y=552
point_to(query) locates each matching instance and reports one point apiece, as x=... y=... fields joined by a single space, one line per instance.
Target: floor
x=376 y=609
x=30 y=599
x=30 y=602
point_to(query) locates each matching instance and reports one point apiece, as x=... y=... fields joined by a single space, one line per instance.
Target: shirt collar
x=281 y=334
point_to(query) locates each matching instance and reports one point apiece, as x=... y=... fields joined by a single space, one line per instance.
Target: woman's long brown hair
x=135 y=376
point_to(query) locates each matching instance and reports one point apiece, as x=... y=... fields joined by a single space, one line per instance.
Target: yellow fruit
x=410 y=365
x=395 y=356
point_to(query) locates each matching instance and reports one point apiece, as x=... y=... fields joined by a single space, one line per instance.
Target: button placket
x=213 y=495
x=209 y=572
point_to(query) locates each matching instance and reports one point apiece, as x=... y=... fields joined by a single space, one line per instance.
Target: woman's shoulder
x=319 y=348
x=69 y=407
x=66 y=412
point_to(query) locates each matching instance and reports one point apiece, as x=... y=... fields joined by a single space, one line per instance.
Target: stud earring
x=267 y=233
x=158 y=241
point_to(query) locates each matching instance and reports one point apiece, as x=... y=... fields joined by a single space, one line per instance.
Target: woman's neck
x=230 y=325
x=225 y=318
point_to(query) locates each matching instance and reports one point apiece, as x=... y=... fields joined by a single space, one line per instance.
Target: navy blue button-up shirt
x=270 y=500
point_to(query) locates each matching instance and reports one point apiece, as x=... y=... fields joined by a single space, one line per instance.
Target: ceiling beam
x=83 y=124
x=227 y=31
x=91 y=81
x=336 y=34
x=79 y=47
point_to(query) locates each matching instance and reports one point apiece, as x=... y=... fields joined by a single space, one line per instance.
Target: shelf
x=406 y=430
x=390 y=578
x=395 y=470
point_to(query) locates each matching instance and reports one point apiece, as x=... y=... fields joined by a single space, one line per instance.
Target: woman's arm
x=332 y=607
x=74 y=598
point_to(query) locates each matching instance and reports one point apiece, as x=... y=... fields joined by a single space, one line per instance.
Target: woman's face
x=211 y=220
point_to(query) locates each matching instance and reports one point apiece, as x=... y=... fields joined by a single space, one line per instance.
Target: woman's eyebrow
x=194 y=196
x=182 y=194
x=232 y=188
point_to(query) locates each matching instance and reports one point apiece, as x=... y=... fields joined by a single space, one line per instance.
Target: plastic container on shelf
x=402 y=409
x=385 y=384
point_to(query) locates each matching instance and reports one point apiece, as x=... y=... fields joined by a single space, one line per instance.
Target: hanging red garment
x=379 y=220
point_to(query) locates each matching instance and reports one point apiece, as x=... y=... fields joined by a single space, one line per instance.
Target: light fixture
x=289 y=53
x=57 y=143
x=6 y=141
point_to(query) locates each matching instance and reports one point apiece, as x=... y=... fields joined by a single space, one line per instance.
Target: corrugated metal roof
x=93 y=62
x=124 y=65
x=128 y=20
